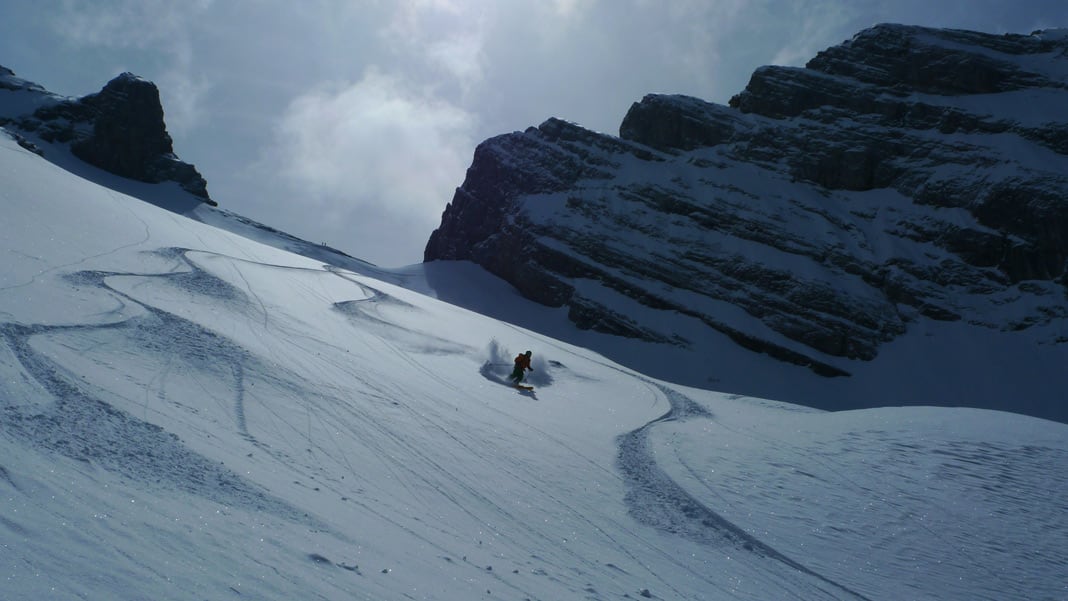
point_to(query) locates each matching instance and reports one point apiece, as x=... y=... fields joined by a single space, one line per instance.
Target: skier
x=522 y=362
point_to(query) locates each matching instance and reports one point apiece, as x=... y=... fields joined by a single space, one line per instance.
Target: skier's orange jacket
x=522 y=362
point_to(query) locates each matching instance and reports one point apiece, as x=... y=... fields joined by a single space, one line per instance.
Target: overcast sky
x=351 y=122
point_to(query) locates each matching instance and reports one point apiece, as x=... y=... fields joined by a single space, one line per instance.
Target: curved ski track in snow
x=80 y=426
x=653 y=498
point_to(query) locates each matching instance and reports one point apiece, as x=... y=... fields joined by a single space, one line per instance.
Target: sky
x=352 y=122
x=186 y=413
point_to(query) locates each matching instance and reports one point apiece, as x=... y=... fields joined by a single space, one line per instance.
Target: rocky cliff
x=119 y=129
x=906 y=175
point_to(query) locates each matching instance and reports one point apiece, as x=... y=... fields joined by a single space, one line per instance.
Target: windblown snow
x=186 y=413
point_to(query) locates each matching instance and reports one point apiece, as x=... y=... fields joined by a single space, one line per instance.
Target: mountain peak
x=905 y=178
x=119 y=129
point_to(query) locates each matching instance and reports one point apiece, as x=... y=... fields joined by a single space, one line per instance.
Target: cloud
x=127 y=23
x=811 y=27
x=183 y=92
x=378 y=146
x=441 y=43
x=460 y=56
x=569 y=8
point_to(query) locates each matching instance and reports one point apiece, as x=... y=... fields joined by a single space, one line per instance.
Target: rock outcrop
x=907 y=174
x=119 y=129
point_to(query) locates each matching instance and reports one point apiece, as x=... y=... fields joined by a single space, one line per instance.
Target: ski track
x=80 y=426
x=160 y=457
x=455 y=490
x=654 y=499
x=364 y=311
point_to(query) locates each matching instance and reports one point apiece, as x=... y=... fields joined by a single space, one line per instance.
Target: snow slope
x=190 y=414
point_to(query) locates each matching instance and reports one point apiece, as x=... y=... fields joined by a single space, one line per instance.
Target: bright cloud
x=460 y=56
x=376 y=138
x=377 y=146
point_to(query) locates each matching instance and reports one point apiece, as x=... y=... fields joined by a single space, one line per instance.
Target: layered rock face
x=907 y=174
x=119 y=129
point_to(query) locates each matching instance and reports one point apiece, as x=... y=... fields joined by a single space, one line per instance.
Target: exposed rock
x=896 y=177
x=680 y=122
x=128 y=128
x=119 y=129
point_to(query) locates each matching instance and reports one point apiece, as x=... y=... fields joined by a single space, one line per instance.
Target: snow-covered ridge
x=21 y=97
x=1053 y=35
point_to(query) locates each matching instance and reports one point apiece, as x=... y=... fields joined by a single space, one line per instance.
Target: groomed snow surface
x=188 y=414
